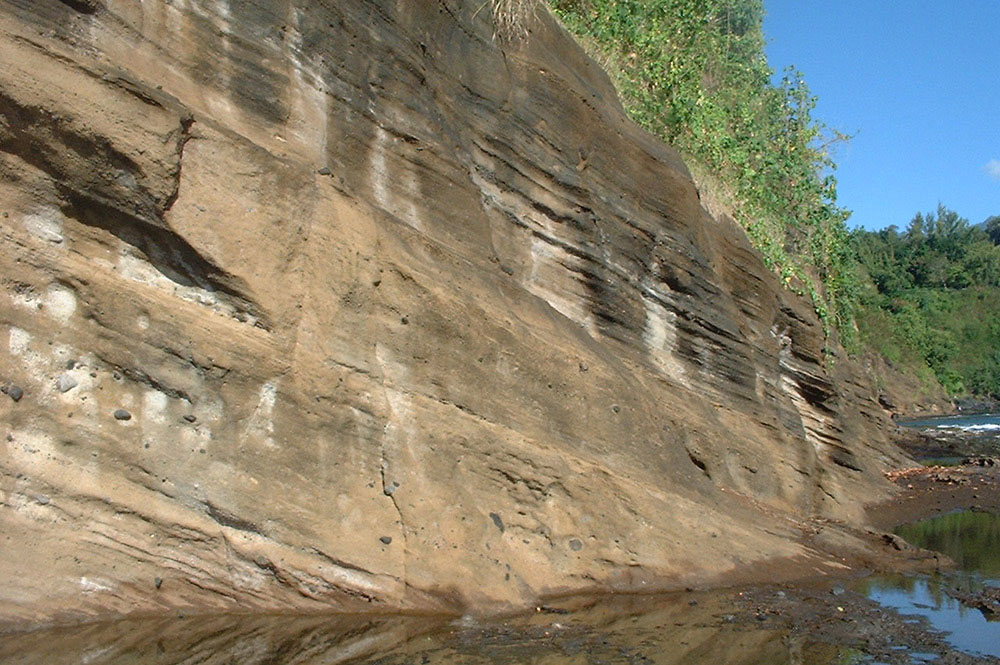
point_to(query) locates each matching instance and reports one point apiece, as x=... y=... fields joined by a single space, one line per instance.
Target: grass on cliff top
x=694 y=72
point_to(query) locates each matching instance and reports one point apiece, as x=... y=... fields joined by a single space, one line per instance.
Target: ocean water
x=985 y=423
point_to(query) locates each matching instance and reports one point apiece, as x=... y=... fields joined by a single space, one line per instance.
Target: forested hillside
x=932 y=299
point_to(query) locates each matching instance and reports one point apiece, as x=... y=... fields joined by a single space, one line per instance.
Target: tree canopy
x=934 y=298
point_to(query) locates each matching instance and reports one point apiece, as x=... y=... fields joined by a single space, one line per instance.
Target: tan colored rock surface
x=904 y=394
x=367 y=312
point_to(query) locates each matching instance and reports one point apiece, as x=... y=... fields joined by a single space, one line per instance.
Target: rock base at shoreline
x=314 y=306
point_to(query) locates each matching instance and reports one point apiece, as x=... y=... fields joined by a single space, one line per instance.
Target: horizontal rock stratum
x=347 y=305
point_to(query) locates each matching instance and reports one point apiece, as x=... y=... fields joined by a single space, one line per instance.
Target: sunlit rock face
x=324 y=305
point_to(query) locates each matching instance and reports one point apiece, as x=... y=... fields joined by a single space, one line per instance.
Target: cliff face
x=317 y=304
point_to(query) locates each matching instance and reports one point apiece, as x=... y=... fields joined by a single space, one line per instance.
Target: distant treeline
x=932 y=298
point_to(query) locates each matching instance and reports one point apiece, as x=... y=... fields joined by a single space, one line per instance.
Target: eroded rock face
x=344 y=305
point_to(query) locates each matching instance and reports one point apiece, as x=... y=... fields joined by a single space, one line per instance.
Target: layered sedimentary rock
x=347 y=305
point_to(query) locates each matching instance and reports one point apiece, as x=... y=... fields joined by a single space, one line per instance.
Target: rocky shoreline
x=823 y=619
x=947 y=444
x=840 y=614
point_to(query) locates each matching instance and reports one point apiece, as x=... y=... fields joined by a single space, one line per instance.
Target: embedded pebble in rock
x=385 y=539
x=15 y=393
x=66 y=383
x=122 y=414
x=497 y=521
x=576 y=545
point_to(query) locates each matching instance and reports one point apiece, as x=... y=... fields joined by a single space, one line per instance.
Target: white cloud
x=992 y=168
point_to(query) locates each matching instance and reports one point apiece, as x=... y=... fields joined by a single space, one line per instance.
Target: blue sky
x=919 y=82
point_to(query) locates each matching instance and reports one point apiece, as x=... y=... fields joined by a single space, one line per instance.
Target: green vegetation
x=932 y=300
x=972 y=539
x=694 y=72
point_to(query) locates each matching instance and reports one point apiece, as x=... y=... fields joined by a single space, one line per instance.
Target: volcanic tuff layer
x=319 y=304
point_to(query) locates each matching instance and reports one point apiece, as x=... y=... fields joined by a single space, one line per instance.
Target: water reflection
x=967 y=629
x=214 y=640
x=703 y=628
x=972 y=540
x=636 y=631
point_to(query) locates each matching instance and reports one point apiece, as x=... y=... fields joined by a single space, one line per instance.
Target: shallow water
x=972 y=540
x=967 y=629
x=666 y=630
x=725 y=627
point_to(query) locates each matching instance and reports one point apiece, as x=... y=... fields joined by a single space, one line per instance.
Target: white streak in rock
x=378 y=170
x=45 y=224
x=88 y=585
x=413 y=195
x=385 y=185
x=551 y=280
x=261 y=423
x=554 y=273
x=308 y=119
x=812 y=420
x=154 y=406
x=396 y=377
x=28 y=300
x=660 y=336
x=136 y=268
x=60 y=303
x=18 y=341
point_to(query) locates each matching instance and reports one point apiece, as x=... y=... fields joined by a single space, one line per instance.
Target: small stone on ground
x=66 y=383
